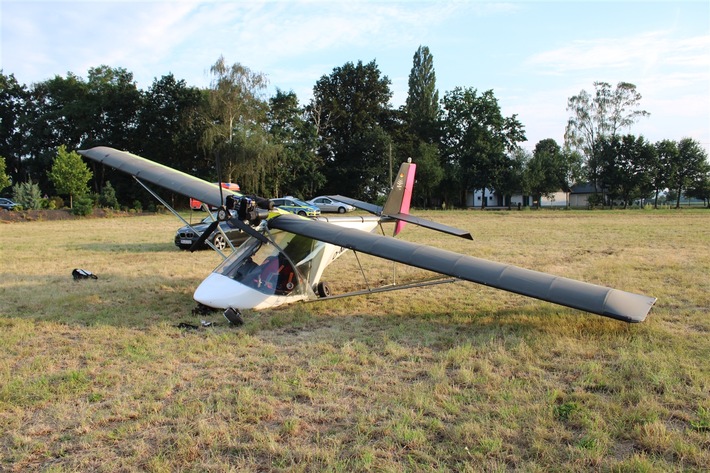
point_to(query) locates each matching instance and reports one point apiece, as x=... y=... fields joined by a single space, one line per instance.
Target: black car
x=7 y=204
x=186 y=236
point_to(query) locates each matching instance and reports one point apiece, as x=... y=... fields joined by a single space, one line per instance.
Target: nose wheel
x=233 y=316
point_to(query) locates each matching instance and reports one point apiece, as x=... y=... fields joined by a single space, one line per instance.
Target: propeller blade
x=219 y=178
x=248 y=229
x=201 y=240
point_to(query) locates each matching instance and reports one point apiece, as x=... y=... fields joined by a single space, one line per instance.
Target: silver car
x=326 y=204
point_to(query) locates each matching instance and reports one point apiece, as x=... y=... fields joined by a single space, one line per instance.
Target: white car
x=326 y=204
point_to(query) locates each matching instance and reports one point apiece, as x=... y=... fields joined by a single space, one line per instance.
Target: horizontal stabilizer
x=600 y=300
x=404 y=217
x=358 y=204
x=439 y=227
x=158 y=174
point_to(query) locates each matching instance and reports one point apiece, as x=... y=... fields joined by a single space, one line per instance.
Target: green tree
x=69 y=174
x=27 y=194
x=627 y=168
x=76 y=113
x=60 y=115
x=171 y=123
x=513 y=175
x=15 y=130
x=298 y=169
x=422 y=114
x=236 y=133
x=600 y=117
x=114 y=102
x=422 y=110
x=666 y=154
x=107 y=198
x=430 y=173
x=478 y=140
x=5 y=180
x=546 y=171
x=351 y=110
x=689 y=165
x=699 y=188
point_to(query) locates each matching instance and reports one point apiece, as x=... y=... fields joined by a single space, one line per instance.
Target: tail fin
x=398 y=202
x=400 y=196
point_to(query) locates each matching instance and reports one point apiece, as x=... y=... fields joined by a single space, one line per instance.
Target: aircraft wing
x=600 y=300
x=158 y=174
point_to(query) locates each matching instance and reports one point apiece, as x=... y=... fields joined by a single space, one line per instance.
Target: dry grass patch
x=94 y=375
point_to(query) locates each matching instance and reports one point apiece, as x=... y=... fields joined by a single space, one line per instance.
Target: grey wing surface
x=608 y=302
x=155 y=173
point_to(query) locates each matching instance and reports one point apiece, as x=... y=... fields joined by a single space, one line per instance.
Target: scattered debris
x=185 y=325
x=83 y=274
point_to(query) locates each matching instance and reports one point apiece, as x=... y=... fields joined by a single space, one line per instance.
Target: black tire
x=323 y=289
x=234 y=316
x=341 y=210
x=301 y=213
x=219 y=241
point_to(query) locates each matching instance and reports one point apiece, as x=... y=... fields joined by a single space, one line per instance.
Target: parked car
x=297 y=206
x=186 y=236
x=326 y=204
x=7 y=204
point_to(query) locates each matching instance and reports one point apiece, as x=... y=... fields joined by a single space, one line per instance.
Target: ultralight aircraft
x=285 y=255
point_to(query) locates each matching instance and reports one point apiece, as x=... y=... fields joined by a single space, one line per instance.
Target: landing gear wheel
x=234 y=316
x=323 y=289
x=219 y=241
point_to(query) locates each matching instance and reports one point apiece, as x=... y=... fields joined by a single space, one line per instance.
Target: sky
x=534 y=55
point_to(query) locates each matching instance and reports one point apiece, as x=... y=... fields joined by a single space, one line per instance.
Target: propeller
x=250 y=211
x=222 y=213
x=204 y=235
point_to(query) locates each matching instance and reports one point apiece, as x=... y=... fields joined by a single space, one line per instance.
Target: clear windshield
x=265 y=268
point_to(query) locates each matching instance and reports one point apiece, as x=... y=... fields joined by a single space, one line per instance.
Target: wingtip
x=629 y=307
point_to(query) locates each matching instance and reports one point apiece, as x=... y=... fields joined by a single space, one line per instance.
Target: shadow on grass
x=111 y=299
x=299 y=325
x=129 y=247
x=143 y=301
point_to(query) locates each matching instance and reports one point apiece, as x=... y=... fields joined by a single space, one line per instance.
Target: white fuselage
x=228 y=287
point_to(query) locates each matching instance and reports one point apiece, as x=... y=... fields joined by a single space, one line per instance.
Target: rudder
x=400 y=197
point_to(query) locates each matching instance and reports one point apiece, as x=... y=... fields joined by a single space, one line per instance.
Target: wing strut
x=174 y=212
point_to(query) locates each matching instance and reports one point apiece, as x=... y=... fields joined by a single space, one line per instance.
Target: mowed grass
x=95 y=375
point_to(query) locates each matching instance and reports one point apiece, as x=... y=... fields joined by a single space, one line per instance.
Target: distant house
x=493 y=199
x=475 y=198
x=580 y=193
x=557 y=199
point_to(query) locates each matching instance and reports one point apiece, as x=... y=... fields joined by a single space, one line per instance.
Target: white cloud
x=646 y=51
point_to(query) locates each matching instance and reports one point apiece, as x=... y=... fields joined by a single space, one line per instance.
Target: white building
x=474 y=199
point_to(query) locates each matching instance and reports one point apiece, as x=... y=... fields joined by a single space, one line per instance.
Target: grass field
x=95 y=375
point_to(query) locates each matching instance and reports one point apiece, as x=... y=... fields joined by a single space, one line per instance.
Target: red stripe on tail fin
x=400 y=196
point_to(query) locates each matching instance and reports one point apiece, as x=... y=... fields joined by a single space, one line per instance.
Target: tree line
x=345 y=140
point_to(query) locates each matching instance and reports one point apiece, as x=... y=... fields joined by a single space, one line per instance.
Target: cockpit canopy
x=283 y=268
